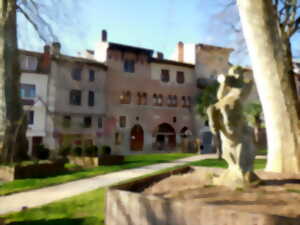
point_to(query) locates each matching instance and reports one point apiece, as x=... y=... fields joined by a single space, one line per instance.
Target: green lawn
x=131 y=161
x=84 y=209
x=258 y=164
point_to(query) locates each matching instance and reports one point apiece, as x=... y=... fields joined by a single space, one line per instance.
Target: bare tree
x=12 y=123
x=268 y=27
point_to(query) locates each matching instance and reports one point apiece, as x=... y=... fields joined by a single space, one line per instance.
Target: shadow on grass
x=65 y=221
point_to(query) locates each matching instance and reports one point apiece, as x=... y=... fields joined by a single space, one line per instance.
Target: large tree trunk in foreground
x=13 y=143
x=269 y=54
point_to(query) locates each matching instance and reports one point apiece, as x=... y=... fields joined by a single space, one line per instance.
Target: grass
x=83 y=209
x=132 y=161
x=258 y=164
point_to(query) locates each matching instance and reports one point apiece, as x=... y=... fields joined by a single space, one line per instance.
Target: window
x=100 y=122
x=174 y=119
x=29 y=63
x=87 y=121
x=144 y=99
x=91 y=98
x=28 y=91
x=155 y=99
x=125 y=97
x=183 y=101
x=122 y=121
x=118 y=138
x=75 y=97
x=180 y=77
x=160 y=100
x=76 y=73
x=139 y=98
x=129 y=66
x=169 y=100
x=30 y=117
x=165 y=75
x=188 y=101
x=92 y=75
x=67 y=121
x=174 y=101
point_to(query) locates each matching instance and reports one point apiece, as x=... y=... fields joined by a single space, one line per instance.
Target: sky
x=154 y=24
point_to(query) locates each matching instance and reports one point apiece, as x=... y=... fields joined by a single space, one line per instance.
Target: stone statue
x=226 y=116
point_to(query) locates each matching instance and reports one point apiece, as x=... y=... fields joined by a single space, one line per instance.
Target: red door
x=137 y=138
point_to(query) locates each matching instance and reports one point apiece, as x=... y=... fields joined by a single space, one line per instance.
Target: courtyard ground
x=39 y=197
x=87 y=208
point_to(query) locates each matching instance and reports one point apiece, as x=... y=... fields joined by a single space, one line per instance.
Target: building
x=151 y=100
x=76 y=100
x=63 y=97
x=35 y=69
x=123 y=96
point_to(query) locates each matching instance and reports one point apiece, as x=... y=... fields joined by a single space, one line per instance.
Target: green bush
x=91 y=151
x=77 y=151
x=65 y=151
x=42 y=152
x=105 y=150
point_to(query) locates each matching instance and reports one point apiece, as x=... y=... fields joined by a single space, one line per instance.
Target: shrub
x=42 y=152
x=91 y=151
x=77 y=151
x=105 y=150
x=65 y=151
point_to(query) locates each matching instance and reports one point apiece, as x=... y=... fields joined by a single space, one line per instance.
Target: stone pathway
x=39 y=197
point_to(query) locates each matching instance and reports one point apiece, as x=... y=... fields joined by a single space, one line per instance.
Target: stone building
x=64 y=98
x=124 y=96
x=76 y=100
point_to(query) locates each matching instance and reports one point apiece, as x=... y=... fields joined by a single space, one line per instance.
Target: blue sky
x=155 y=24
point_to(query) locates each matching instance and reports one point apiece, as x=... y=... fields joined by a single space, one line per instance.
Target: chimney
x=160 y=55
x=104 y=36
x=45 y=60
x=180 y=51
x=46 y=49
x=55 y=49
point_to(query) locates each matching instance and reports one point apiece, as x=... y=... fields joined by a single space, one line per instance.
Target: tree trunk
x=13 y=143
x=269 y=55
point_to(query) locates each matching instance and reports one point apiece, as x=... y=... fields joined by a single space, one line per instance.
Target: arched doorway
x=137 y=138
x=165 y=137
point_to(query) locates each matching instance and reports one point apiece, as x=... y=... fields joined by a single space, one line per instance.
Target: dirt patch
x=279 y=195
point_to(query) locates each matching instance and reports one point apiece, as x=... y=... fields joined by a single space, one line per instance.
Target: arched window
x=189 y=101
x=128 y=97
x=155 y=99
x=169 y=100
x=183 y=101
x=144 y=99
x=122 y=98
x=139 y=98
x=125 y=97
x=175 y=100
x=160 y=100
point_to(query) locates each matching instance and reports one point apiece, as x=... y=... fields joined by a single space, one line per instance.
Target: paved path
x=39 y=197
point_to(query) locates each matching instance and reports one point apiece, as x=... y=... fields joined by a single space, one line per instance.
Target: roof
x=213 y=47
x=129 y=48
x=31 y=53
x=171 y=62
x=67 y=58
x=82 y=60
